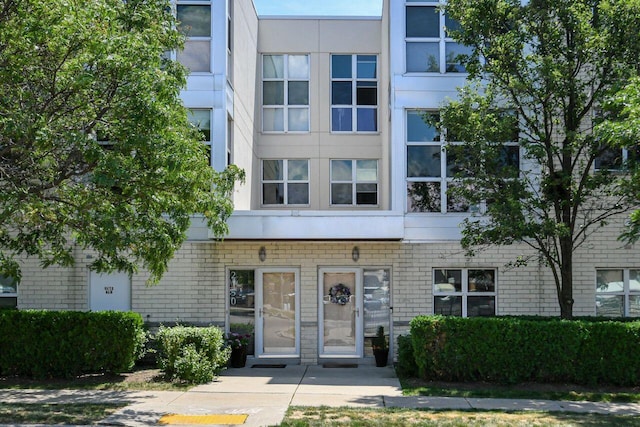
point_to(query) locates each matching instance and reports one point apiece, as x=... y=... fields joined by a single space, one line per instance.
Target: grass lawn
x=65 y=413
x=354 y=417
x=417 y=387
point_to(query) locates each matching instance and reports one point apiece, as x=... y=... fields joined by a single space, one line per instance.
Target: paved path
x=266 y=393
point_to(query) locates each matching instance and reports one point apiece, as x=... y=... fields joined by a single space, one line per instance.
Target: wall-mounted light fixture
x=355 y=254
x=262 y=253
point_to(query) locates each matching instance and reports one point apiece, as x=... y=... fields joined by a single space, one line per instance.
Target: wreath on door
x=340 y=294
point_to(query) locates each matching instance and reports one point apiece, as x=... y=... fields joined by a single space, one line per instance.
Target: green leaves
x=71 y=69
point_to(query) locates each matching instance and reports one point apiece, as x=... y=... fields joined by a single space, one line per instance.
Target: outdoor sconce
x=262 y=253
x=355 y=254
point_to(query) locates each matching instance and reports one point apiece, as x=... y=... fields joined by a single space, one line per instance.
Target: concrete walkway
x=264 y=394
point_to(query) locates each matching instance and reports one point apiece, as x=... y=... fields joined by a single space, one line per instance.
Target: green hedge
x=57 y=344
x=192 y=354
x=513 y=350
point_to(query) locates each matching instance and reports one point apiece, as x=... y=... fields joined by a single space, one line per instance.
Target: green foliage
x=192 y=354
x=546 y=65
x=406 y=366
x=46 y=344
x=72 y=72
x=380 y=342
x=514 y=350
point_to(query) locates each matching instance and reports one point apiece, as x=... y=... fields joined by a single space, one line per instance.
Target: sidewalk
x=264 y=394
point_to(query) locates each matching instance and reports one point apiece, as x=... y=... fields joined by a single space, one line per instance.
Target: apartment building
x=344 y=223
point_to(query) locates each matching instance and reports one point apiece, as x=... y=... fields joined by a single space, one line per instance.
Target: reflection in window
x=464 y=292
x=354 y=93
x=8 y=292
x=285 y=93
x=242 y=304
x=354 y=182
x=195 y=24
x=429 y=47
x=285 y=182
x=201 y=119
x=618 y=292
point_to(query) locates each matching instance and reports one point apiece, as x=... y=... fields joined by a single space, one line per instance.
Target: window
x=618 y=292
x=195 y=23
x=8 y=292
x=615 y=159
x=354 y=182
x=429 y=49
x=354 y=93
x=431 y=170
x=285 y=93
x=201 y=119
x=464 y=292
x=285 y=182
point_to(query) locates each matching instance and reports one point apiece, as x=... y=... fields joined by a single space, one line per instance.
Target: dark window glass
x=423 y=21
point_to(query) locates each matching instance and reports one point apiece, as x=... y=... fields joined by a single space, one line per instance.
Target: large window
x=429 y=49
x=8 y=292
x=201 y=119
x=195 y=23
x=618 y=292
x=354 y=182
x=354 y=93
x=432 y=171
x=285 y=182
x=615 y=159
x=285 y=93
x=464 y=292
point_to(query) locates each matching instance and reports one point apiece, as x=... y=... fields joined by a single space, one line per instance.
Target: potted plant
x=238 y=344
x=380 y=347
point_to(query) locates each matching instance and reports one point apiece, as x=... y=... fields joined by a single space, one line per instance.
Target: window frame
x=354 y=183
x=465 y=291
x=442 y=40
x=206 y=142
x=208 y=39
x=285 y=181
x=8 y=295
x=356 y=83
x=626 y=293
x=286 y=106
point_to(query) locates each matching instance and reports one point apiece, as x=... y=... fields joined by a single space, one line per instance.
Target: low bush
x=406 y=366
x=520 y=349
x=59 y=344
x=191 y=354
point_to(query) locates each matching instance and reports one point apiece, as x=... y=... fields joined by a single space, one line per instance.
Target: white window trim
x=354 y=94
x=626 y=292
x=354 y=182
x=285 y=105
x=465 y=293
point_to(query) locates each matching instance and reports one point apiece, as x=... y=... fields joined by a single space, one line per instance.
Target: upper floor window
x=285 y=93
x=201 y=119
x=429 y=48
x=194 y=21
x=432 y=169
x=464 y=292
x=618 y=292
x=285 y=182
x=354 y=182
x=616 y=159
x=354 y=93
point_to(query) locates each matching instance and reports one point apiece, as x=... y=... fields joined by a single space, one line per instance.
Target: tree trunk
x=566 y=276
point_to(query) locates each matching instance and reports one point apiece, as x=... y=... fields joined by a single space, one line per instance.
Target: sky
x=319 y=7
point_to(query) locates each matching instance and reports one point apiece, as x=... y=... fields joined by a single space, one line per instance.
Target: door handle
x=260 y=312
x=357 y=312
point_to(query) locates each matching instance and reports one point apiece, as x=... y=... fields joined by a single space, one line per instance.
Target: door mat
x=225 y=419
x=339 y=365
x=268 y=365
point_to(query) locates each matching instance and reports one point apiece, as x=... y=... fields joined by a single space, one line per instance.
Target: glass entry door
x=277 y=319
x=340 y=312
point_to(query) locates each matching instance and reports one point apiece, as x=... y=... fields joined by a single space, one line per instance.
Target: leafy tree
x=551 y=70
x=73 y=73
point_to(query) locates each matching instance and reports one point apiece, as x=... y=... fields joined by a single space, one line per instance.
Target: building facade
x=344 y=223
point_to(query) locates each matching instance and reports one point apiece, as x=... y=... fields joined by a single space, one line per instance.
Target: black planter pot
x=381 y=356
x=238 y=357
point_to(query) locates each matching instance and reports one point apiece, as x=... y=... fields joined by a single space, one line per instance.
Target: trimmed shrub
x=406 y=366
x=58 y=344
x=520 y=349
x=192 y=354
